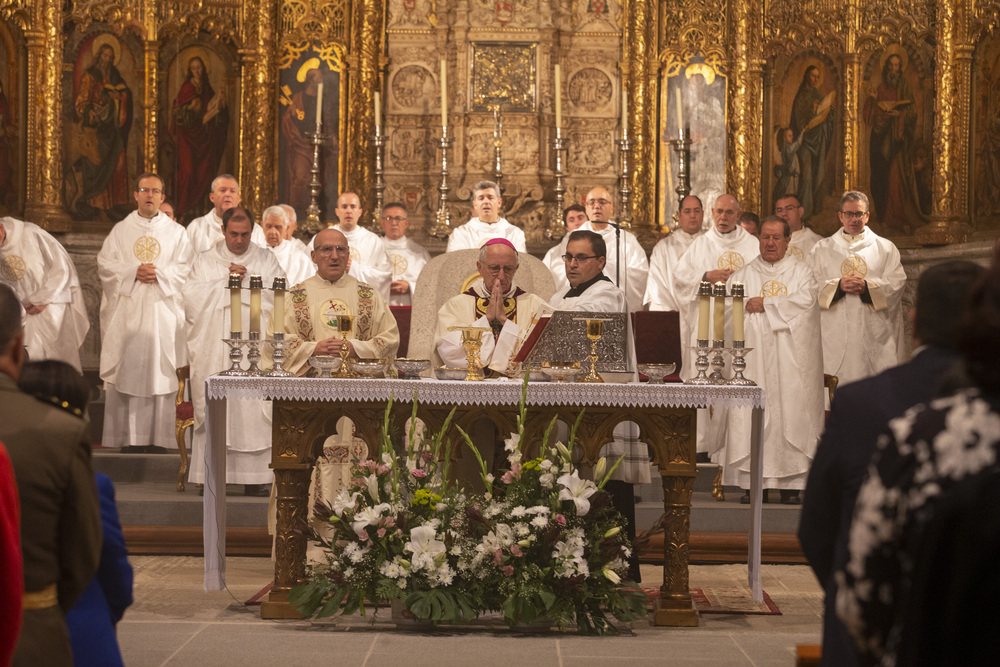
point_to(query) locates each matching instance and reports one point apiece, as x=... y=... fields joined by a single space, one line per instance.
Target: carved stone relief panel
x=413 y=89
x=410 y=150
x=596 y=15
x=412 y=14
x=519 y=151
x=591 y=91
x=506 y=14
x=591 y=148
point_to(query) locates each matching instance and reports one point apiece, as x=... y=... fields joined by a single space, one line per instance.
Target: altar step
x=159 y=519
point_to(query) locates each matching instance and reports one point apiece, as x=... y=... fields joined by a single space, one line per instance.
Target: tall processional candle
x=256 y=285
x=444 y=93
x=278 y=316
x=319 y=108
x=718 y=314
x=558 y=95
x=738 y=312
x=704 y=299
x=378 y=110
x=235 y=307
x=680 y=115
x=624 y=114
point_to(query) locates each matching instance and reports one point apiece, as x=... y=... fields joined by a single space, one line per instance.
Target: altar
x=305 y=410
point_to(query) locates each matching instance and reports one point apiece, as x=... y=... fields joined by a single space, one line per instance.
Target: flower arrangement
x=540 y=542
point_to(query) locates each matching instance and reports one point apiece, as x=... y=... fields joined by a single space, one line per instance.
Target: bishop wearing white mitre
x=43 y=277
x=782 y=325
x=486 y=224
x=861 y=282
x=142 y=266
x=209 y=317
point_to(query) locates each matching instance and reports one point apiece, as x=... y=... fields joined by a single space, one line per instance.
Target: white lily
x=371 y=483
x=344 y=501
x=578 y=490
x=611 y=576
x=424 y=547
x=369 y=516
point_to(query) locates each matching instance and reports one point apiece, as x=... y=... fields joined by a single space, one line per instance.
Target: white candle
x=444 y=93
x=319 y=107
x=680 y=114
x=278 y=315
x=719 y=313
x=558 y=95
x=703 y=314
x=738 y=312
x=378 y=110
x=255 y=304
x=624 y=114
x=235 y=309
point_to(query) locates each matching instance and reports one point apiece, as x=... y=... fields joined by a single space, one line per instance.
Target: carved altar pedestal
x=306 y=411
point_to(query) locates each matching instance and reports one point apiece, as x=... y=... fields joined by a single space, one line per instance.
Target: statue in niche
x=199 y=124
x=804 y=144
x=898 y=165
x=102 y=102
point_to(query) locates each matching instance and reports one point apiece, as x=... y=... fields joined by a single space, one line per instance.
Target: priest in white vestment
x=42 y=275
x=782 y=325
x=205 y=231
x=573 y=216
x=861 y=282
x=209 y=319
x=369 y=262
x=714 y=256
x=486 y=222
x=630 y=254
x=406 y=256
x=493 y=303
x=293 y=225
x=142 y=266
x=666 y=255
x=294 y=260
x=789 y=209
x=313 y=307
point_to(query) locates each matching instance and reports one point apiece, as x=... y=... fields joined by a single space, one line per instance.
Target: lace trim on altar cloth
x=499 y=392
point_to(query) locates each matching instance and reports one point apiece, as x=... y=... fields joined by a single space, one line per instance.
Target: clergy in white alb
x=782 y=326
x=142 y=265
x=369 y=262
x=209 y=319
x=293 y=225
x=313 y=309
x=789 y=209
x=205 y=231
x=666 y=255
x=486 y=222
x=294 y=261
x=406 y=256
x=861 y=282
x=492 y=302
x=573 y=216
x=43 y=277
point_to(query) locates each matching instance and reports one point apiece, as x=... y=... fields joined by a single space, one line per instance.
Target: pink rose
x=382 y=469
x=508 y=570
x=560 y=519
x=381 y=532
x=427 y=456
x=508 y=477
x=497 y=557
x=516 y=550
x=418 y=473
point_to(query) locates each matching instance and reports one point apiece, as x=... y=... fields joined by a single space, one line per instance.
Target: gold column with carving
x=44 y=201
x=640 y=71
x=944 y=228
x=744 y=102
x=849 y=98
x=260 y=81
x=367 y=39
x=150 y=105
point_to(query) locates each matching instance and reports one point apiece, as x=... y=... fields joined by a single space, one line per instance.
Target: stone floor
x=174 y=622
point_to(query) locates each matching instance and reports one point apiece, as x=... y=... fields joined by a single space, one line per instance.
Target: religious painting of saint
x=97 y=178
x=199 y=124
x=9 y=125
x=899 y=161
x=986 y=134
x=694 y=99
x=801 y=136
x=301 y=71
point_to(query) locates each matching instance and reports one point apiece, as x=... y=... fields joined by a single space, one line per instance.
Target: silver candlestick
x=739 y=351
x=442 y=227
x=497 y=147
x=556 y=229
x=313 y=224
x=379 y=140
x=682 y=146
x=235 y=343
x=700 y=364
x=624 y=191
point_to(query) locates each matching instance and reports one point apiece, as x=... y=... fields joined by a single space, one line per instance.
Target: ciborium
x=472 y=342
x=595 y=329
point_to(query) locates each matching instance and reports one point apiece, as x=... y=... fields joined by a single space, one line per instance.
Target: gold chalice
x=595 y=329
x=472 y=342
x=344 y=325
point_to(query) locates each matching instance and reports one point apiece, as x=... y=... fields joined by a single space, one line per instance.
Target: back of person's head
x=980 y=331
x=10 y=318
x=55 y=382
x=942 y=296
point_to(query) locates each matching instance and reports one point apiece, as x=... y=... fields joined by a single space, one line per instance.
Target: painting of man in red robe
x=298 y=120
x=199 y=125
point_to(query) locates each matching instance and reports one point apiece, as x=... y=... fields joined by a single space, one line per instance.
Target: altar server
x=406 y=256
x=209 y=318
x=486 y=222
x=43 y=277
x=142 y=266
x=203 y=232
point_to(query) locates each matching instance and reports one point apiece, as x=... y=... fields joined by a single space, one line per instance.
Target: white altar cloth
x=219 y=390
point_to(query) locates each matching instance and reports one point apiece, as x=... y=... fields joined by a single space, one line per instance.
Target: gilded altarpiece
x=985 y=133
x=11 y=122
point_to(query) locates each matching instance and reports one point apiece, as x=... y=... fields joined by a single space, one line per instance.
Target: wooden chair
x=184 y=420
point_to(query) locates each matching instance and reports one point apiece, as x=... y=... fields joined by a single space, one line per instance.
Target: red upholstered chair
x=185 y=420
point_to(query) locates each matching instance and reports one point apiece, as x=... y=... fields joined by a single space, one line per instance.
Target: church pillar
x=945 y=227
x=44 y=198
x=744 y=101
x=150 y=107
x=640 y=70
x=367 y=43
x=257 y=127
x=849 y=99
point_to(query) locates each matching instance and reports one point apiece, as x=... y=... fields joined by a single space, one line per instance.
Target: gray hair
x=290 y=213
x=482 y=254
x=854 y=195
x=274 y=212
x=222 y=176
x=484 y=185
